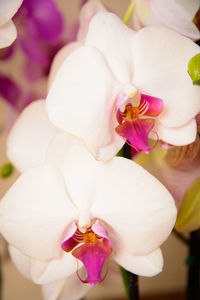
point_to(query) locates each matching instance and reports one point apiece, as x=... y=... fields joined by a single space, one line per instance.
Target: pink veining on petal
x=136 y=133
x=120 y=101
x=154 y=105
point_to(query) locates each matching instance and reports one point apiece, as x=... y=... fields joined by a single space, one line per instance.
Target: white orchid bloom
x=69 y=204
x=8 y=31
x=87 y=12
x=126 y=85
x=175 y=14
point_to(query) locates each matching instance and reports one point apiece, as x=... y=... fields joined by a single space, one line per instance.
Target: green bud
x=194 y=69
x=7 y=170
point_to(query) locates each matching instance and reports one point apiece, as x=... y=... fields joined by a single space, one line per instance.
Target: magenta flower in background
x=17 y=97
x=40 y=26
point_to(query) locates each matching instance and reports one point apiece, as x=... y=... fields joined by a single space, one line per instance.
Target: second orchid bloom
x=66 y=206
x=123 y=85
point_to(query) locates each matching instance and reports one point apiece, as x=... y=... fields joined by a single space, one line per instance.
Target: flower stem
x=131 y=284
x=193 y=285
x=129 y=12
x=130 y=279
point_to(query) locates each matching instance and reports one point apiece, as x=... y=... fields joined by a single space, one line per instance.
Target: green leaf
x=189 y=213
x=194 y=69
x=6 y=170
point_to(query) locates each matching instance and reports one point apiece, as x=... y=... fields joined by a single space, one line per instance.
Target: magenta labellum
x=92 y=248
x=136 y=122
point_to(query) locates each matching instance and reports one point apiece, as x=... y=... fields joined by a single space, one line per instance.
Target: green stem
x=131 y=284
x=193 y=285
x=129 y=12
x=130 y=279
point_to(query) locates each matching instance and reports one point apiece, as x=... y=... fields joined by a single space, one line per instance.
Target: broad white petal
x=109 y=35
x=35 y=213
x=162 y=72
x=7 y=9
x=136 y=23
x=53 y=290
x=78 y=167
x=43 y=272
x=81 y=97
x=177 y=136
x=88 y=11
x=190 y=7
x=21 y=261
x=109 y=151
x=8 y=34
x=30 y=136
x=59 y=59
x=71 y=289
x=138 y=209
x=178 y=15
x=147 y=265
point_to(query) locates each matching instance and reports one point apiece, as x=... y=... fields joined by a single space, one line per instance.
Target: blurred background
x=27 y=81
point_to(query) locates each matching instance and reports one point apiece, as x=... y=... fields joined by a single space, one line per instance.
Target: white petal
x=71 y=289
x=177 y=136
x=190 y=7
x=162 y=72
x=81 y=98
x=78 y=167
x=148 y=265
x=53 y=290
x=136 y=23
x=8 y=34
x=30 y=136
x=59 y=59
x=109 y=35
x=21 y=261
x=88 y=11
x=109 y=151
x=8 y=8
x=43 y=272
x=137 y=207
x=177 y=15
x=35 y=212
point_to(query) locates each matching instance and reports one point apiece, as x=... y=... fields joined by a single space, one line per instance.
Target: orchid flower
x=40 y=25
x=175 y=14
x=66 y=207
x=113 y=89
x=87 y=12
x=12 y=93
x=8 y=31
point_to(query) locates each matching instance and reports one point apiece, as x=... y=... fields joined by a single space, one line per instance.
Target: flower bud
x=194 y=69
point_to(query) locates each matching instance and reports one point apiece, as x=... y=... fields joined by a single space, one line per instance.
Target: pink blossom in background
x=175 y=14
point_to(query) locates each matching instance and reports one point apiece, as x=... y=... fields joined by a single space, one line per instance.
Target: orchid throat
x=91 y=247
x=136 y=122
